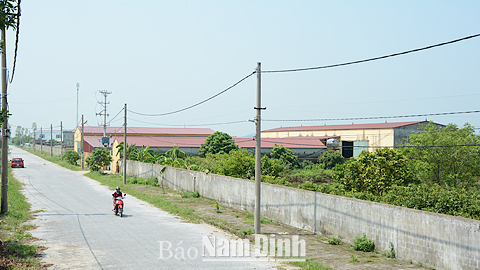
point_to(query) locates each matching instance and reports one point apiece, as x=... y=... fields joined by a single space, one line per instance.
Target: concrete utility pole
x=82 y=145
x=104 y=113
x=78 y=86
x=41 y=139
x=125 y=148
x=34 y=140
x=258 y=153
x=51 y=140
x=5 y=130
x=61 y=141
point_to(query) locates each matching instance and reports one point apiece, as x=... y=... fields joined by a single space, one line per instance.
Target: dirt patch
x=241 y=224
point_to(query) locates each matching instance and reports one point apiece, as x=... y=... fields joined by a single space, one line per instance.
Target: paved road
x=79 y=229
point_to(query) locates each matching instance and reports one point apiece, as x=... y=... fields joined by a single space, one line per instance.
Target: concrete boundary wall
x=436 y=240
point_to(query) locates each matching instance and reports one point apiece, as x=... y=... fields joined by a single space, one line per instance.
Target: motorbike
x=119 y=205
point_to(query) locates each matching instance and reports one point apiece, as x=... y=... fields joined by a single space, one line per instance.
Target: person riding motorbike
x=117 y=193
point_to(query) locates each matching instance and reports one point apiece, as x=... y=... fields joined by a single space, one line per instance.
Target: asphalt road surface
x=80 y=231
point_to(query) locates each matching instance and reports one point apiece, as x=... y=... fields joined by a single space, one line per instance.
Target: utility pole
x=258 y=153
x=61 y=141
x=78 y=86
x=51 y=140
x=34 y=140
x=82 y=144
x=41 y=139
x=125 y=147
x=104 y=113
x=5 y=130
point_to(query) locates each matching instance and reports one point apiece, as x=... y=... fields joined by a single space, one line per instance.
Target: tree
x=375 y=172
x=239 y=163
x=176 y=153
x=99 y=158
x=71 y=157
x=330 y=159
x=286 y=155
x=437 y=159
x=218 y=142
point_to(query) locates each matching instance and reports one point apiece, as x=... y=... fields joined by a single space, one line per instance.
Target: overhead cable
x=365 y=118
x=196 y=104
x=371 y=59
x=190 y=125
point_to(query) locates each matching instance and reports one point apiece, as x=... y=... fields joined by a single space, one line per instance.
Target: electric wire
x=191 y=125
x=366 y=118
x=371 y=59
x=199 y=103
x=19 y=11
x=115 y=116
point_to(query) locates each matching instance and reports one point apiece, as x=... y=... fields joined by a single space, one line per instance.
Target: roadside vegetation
x=17 y=250
x=428 y=173
x=55 y=159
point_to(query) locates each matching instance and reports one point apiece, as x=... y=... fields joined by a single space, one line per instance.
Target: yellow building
x=354 y=138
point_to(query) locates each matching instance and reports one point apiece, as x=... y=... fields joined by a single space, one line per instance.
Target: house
x=45 y=135
x=354 y=138
x=93 y=136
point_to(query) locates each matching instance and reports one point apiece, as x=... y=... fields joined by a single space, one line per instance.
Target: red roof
x=345 y=127
x=293 y=142
x=133 y=131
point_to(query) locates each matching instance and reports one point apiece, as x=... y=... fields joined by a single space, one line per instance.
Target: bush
x=99 y=158
x=364 y=244
x=285 y=155
x=239 y=163
x=71 y=157
x=218 y=142
x=375 y=172
x=330 y=159
x=334 y=240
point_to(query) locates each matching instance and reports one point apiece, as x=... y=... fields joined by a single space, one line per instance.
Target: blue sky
x=161 y=56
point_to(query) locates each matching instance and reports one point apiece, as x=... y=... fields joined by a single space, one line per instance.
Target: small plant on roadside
x=391 y=252
x=99 y=158
x=353 y=259
x=217 y=206
x=71 y=157
x=363 y=243
x=334 y=240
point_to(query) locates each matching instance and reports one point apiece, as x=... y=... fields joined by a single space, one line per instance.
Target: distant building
x=353 y=138
x=44 y=136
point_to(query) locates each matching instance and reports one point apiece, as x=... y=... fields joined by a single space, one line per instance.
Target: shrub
x=71 y=157
x=218 y=142
x=330 y=159
x=99 y=158
x=286 y=155
x=375 y=172
x=334 y=241
x=364 y=244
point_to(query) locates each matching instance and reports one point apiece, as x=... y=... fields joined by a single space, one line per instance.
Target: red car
x=17 y=162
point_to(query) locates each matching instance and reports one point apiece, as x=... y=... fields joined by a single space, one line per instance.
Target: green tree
x=375 y=172
x=176 y=153
x=285 y=155
x=438 y=160
x=272 y=167
x=330 y=159
x=218 y=142
x=99 y=158
x=71 y=157
x=238 y=163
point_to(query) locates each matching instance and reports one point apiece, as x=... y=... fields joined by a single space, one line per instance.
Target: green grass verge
x=54 y=159
x=14 y=231
x=311 y=264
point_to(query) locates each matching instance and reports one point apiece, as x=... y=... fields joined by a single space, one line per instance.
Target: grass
x=14 y=230
x=311 y=264
x=54 y=159
x=250 y=218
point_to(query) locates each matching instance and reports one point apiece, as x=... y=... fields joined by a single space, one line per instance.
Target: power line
x=365 y=118
x=196 y=104
x=372 y=59
x=192 y=125
x=115 y=116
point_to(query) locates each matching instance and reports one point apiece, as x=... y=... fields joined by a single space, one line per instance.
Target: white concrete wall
x=437 y=240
